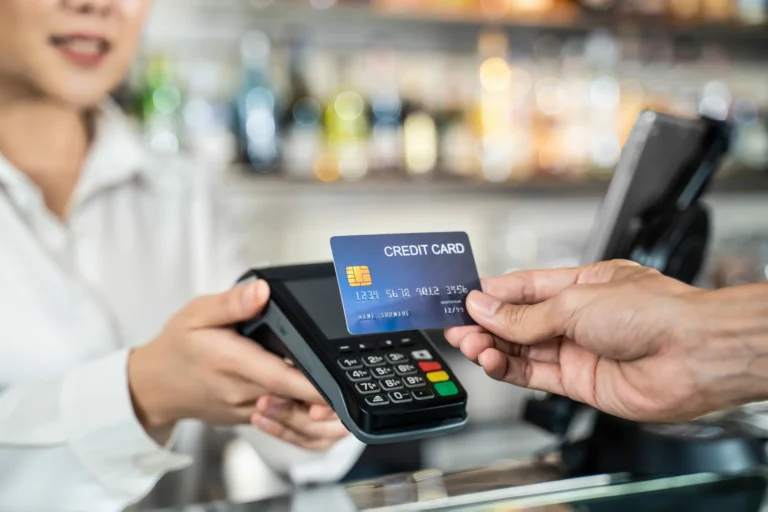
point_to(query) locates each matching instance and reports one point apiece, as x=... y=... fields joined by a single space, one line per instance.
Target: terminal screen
x=321 y=300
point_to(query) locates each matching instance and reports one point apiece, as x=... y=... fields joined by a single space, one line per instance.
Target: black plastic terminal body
x=391 y=419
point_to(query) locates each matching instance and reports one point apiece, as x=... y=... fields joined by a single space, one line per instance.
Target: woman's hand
x=313 y=427
x=199 y=367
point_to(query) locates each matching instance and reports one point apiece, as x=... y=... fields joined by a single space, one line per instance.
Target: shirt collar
x=116 y=156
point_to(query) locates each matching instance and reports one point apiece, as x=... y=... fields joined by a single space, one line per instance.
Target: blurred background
x=502 y=118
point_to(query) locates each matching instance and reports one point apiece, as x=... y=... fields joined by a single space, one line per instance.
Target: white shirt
x=141 y=239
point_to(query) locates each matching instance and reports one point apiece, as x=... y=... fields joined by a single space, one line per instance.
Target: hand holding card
x=404 y=282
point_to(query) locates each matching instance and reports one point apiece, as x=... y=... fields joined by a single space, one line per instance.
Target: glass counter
x=537 y=486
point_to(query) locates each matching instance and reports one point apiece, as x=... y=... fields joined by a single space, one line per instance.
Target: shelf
x=746 y=182
x=228 y=19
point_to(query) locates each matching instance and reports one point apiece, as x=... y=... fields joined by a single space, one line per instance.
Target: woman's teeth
x=81 y=44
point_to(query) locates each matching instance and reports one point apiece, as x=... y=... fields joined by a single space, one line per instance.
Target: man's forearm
x=730 y=343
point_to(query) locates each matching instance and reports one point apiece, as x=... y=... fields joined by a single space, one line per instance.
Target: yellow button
x=437 y=376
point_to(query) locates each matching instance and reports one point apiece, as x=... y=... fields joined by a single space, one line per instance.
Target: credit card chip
x=359 y=276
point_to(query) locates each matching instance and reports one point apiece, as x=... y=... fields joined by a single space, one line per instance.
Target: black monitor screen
x=321 y=299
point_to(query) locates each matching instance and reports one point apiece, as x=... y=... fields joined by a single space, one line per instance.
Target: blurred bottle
x=494 y=108
x=647 y=8
x=719 y=11
x=420 y=137
x=207 y=117
x=750 y=138
x=753 y=12
x=598 y=5
x=457 y=144
x=257 y=105
x=685 y=10
x=303 y=118
x=346 y=125
x=160 y=101
x=386 y=137
x=603 y=103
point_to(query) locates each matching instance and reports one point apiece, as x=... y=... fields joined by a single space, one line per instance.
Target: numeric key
x=371 y=361
x=400 y=396
x=390 y=384
x=414 y=381
x=366 y=388
x=383 y=372
x=358 y=375
x=350 y=363
x=396 y=357
x=405 y=369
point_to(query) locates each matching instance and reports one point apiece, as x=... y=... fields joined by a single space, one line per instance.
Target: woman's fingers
x=321 y=413
x=290 y=421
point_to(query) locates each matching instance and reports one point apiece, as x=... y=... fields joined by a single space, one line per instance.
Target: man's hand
x=199 y=367
x=618 y=336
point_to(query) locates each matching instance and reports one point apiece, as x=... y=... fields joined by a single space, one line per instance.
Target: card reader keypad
x=397 y=374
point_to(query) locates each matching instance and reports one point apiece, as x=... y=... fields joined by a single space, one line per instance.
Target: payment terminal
x=384 y=387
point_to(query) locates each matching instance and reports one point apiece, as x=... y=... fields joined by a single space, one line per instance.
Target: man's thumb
x=524 y=324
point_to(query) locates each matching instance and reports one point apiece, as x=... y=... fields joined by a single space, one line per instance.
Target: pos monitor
x=652 y=214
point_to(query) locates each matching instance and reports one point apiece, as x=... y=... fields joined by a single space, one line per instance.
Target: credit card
x=404 y=282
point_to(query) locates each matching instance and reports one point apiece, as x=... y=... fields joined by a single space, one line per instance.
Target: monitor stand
x=674 y=241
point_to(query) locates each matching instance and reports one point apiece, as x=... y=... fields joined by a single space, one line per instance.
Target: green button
x=446 y=388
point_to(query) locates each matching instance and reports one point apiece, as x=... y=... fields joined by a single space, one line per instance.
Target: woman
x=103 y=243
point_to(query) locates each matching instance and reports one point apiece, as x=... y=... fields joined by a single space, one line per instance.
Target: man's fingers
x=530 y=286
x=475 y=344
x=236 y=305
x=534 y=286
x=454 y=335
x=524 y=324
x=522 y=372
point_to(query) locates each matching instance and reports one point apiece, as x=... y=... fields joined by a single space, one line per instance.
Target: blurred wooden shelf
x=740 y=182
x=368 y=24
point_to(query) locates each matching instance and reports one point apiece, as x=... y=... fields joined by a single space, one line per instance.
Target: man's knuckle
x=569 y=298
x=621 y=262
x=528 y=290
x=514 y=315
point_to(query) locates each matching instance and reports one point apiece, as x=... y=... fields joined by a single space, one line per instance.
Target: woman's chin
x=73 y=91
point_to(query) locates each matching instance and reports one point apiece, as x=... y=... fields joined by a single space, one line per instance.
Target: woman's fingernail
x=254 y=293
x=483 y=304
x=249 y=297
x=263 y=422
x=273 y=410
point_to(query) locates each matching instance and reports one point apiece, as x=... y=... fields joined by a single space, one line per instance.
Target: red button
x=430 y=366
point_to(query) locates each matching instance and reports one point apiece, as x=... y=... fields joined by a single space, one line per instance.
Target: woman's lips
x=82 y=50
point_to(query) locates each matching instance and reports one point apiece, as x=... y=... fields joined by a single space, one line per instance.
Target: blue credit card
x=404 y=282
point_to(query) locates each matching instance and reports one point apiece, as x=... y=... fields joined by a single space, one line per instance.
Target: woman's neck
x=46 y=141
